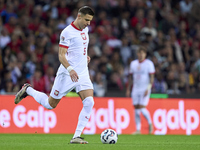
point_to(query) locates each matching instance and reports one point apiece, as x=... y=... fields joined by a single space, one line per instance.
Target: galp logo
x=40 y=118
x=175 y=119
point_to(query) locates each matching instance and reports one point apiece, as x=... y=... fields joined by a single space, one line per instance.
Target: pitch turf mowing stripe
x=125 y=142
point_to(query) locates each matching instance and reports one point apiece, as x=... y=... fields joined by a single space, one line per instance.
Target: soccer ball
x=109 y=136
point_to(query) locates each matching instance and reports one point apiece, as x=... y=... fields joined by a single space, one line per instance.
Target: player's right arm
x=129 y=86
x=64 y=62
x=130 y=81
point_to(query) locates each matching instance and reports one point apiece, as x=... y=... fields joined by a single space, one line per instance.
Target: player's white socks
x=146 y=114
x=84 y=115
x=137 y=119
x=40 y=97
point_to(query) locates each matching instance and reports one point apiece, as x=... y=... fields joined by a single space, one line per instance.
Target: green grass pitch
x=125 y=142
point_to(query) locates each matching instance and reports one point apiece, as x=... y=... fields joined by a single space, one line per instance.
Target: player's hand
x=128 y=93
x=88 y=59
x=145 y=93
x=74 y=76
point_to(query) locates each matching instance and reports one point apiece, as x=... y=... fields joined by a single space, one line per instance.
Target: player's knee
x=136 y=107
x=53 y=103
x=142 y=106
x=54 y=106
x=89 y=101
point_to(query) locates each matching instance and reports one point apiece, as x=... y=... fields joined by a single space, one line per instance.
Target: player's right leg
x=22 y=93
x=137 y=120
x=61 y=87
x=41 y=98
x=135 y=99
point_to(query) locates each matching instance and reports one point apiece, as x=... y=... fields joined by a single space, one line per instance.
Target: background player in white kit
x=72 y=73
x=142 y=76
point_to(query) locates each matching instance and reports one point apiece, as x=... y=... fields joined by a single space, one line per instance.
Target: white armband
x=70 y=68
x=149 y=87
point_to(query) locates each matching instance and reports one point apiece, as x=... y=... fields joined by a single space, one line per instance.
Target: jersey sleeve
x=151 y=68
x=64 y=39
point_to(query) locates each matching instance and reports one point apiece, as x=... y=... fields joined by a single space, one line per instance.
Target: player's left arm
x=151 y=76
x=130 y=80
x=129 y=85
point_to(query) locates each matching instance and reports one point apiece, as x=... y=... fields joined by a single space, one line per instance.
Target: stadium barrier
x=170 y=116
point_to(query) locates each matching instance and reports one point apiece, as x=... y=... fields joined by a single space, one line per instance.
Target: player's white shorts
x=139 y=99
x=63 y=85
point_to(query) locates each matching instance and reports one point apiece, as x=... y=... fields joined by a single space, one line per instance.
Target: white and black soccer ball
x=109 y=136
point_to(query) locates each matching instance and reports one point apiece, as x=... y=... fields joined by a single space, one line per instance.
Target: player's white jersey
x=76 y=41
x=141 y=71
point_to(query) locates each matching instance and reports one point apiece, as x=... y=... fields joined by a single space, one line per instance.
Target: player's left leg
x=88 y=103
x=146 y=113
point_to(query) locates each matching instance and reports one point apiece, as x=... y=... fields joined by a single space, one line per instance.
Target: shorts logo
x=56 y=93
x=83 y=36
x=86 y=117
x=62 y=38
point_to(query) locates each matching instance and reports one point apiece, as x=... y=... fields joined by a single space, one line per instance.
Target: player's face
x=84 y=21
x=141 y=55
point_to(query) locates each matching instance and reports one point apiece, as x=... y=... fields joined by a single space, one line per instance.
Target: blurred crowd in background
x=169 y=29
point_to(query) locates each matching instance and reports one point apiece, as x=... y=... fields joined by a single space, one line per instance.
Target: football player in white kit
x=140 y=80
x=72 y=73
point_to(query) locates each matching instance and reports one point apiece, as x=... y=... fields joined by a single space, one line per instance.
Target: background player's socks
x=40 y=97
x=137 y=119
x=84 y=116
x=146 y=114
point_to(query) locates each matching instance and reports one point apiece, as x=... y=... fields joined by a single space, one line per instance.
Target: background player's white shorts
x=63 y=85
x=139 y=99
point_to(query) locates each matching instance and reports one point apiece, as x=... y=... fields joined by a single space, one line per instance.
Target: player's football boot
x=150 y=128
x=22 y=93
x=137 y=132
x=78 y=140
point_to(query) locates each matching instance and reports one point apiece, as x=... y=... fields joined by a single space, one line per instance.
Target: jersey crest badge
x=56 y=93
x=83 y=36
